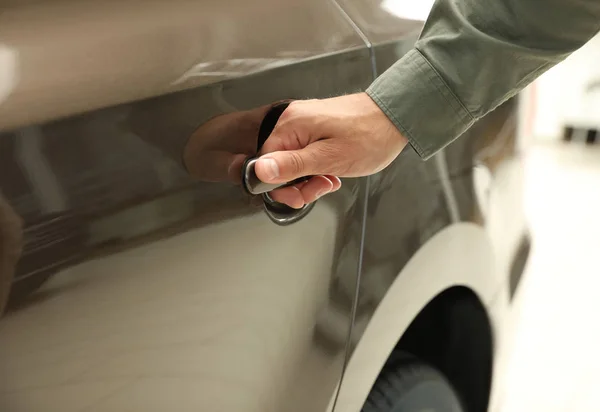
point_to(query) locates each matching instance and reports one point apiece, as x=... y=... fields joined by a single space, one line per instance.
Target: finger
x=300 y=185
x=277 y=142
x=287 y=134
x=335 y=181
x=303 y=193
x=315 y=188
x=290 y=196
x=285 y=166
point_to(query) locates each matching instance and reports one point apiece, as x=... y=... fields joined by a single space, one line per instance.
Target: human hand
x=347 y=136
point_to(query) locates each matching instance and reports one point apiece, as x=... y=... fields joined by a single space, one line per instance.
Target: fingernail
x=270 y=167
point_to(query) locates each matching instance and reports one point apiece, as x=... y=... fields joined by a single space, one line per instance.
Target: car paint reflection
x=181 y=286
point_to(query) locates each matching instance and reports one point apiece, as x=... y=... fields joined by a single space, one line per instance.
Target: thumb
x=285 y=166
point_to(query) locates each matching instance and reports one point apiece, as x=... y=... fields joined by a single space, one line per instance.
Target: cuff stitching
x=446 y=89
x=398 y=124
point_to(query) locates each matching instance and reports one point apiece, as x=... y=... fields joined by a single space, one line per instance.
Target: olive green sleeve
x=473 y=55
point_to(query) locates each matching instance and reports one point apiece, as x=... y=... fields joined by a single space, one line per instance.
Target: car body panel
x=125 y=163
x=432 y=226
x=390 y=27
x=477 y=179
x=384 y=21
x=163 y=288
x=437 y=266
x=186 y=321
x=166 y=283
x=85 y=55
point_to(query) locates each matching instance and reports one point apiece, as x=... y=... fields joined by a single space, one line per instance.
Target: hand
x=347 y=136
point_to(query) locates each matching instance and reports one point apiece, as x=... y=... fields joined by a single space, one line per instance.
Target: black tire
x=408 y=385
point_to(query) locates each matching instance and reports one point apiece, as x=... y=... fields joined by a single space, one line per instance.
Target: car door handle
x=279 y=213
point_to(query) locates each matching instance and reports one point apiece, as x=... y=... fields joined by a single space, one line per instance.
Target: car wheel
x=408 y=385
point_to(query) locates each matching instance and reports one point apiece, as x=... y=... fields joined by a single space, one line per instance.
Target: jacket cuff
x=421 y=105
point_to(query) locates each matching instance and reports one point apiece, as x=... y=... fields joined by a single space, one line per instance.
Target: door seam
x=367 y=184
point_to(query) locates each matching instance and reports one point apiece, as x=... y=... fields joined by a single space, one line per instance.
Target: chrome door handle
x=251 y=183
x=279 y=213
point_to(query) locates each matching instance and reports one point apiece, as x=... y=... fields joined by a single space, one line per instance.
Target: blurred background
x=554 y=365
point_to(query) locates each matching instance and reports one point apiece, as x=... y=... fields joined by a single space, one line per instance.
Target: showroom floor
x=555 y=363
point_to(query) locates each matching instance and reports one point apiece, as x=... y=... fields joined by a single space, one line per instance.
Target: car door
x=149 y=280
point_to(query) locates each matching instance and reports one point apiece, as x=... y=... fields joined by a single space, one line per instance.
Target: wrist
x=379 y=115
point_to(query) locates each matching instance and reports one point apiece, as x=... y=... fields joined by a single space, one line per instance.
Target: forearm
x=471 y=57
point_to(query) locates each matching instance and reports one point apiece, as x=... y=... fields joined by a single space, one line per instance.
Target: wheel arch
x=458 y=258
x=453 y=333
